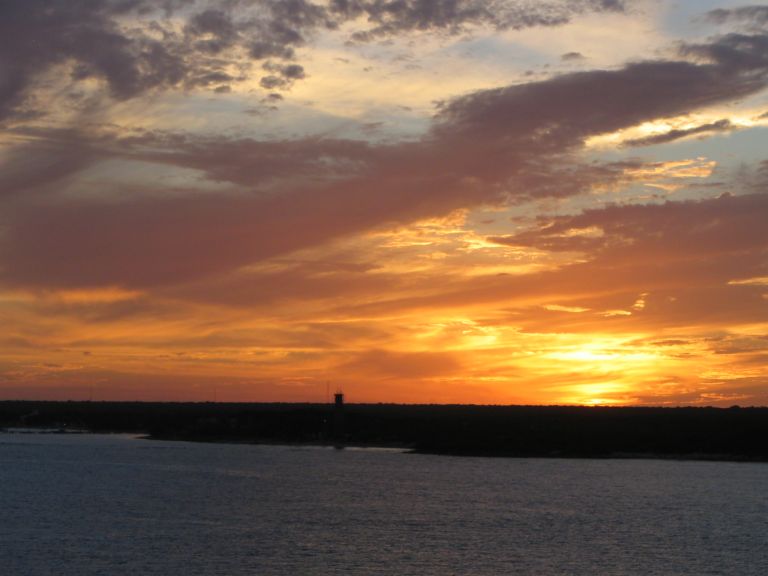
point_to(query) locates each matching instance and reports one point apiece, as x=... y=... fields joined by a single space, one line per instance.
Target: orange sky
x=565 y=205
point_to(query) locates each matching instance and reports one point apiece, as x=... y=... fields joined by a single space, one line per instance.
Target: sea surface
x=86 y=504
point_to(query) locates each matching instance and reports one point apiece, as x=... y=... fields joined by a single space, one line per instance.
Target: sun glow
x=611 y=353
x=600 y=394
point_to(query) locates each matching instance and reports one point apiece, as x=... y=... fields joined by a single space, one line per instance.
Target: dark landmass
x=518 y=431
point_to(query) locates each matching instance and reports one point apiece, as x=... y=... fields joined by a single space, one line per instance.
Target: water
x=114 y=505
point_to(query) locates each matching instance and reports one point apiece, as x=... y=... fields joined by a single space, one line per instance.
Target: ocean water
x=115 y=505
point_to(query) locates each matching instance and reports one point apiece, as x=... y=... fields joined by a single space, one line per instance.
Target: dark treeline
x=709 y=433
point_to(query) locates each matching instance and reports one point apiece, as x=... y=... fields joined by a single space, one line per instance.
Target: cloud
x=736 y=53
x=672 y=135
x=679 y=257
x=256 y=163
x=213 y=31
x=47 y=159
x=37 y=34
x=727 y=225
x=741 y=345
x=755 y=15
x=164 y=252
x=97 y=383
x=499 y=145
x=561 y=112
x=572 y=57
x=387 y=364
x=135 y=47
x=396 y=17
x=683 y=254
x=282 y=76
x=299 y=281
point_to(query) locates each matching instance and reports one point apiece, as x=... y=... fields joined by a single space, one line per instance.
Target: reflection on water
x=112 y=505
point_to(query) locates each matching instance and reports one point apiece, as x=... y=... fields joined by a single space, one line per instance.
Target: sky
x=445 y=201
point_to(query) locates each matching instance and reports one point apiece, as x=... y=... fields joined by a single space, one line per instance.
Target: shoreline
x=683 y=457
x=684 y=433
x=401 y=448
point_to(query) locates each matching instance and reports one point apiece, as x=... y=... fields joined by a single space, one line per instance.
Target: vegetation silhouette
x=521 y=431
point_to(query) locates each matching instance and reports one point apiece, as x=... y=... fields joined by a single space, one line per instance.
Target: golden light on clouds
x=544 y=203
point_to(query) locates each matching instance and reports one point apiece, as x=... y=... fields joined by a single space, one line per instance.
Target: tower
x=338 y=419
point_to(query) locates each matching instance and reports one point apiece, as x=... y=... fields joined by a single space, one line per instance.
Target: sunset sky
x=446 y=201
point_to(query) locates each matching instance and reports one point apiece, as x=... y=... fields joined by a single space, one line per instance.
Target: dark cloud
x=48 y=158
x=122 y=43
x=524 y=130
x=293 y=71
x=273 y=82
x=726 y=225
x=213 y=31
x=672 y=135
x=572 y=57
x=757 y=15
x=739 y=53
x=285 y=27
x=262 y=49
x=281 y=76
x=151 y=241
x=212 y=78
x=391 y=17
x=254 y=163
x=36 y=34
x=506 y=144
x=562 y=111
x=130 y=46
